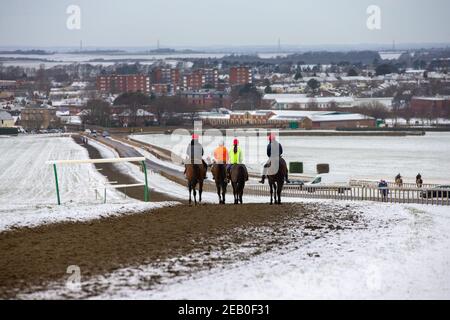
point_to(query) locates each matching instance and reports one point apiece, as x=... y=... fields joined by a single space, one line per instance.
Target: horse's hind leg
x=195 y=195
x=190 y=194
x=241 y=194
x=275 y=192
x=200 y=191
x=280 y=188
x=224 y=190
x=271 y=193
x=218 y=193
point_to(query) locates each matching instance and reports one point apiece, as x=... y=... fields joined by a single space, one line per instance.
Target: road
x=126 y=151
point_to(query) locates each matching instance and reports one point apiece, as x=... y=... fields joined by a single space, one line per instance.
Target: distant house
x=37 y=117
x=6 y=120
x=432 y=106
x=140 y=118
x=301 y=101
x=289 y=118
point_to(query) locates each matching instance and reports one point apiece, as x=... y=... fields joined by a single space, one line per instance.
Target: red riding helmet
x=195 y=136
x=235 y=142
x=272 y=137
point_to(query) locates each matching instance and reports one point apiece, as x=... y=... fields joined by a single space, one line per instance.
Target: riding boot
x=263 y=178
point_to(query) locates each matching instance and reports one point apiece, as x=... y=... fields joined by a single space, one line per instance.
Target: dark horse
x=276 y=181
x=219 y=172
x=238 y=177
x=195 y=174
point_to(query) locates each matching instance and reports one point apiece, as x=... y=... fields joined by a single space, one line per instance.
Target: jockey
x=236 y=156
x=195 y=152
x=221 y=154
x=274 y=152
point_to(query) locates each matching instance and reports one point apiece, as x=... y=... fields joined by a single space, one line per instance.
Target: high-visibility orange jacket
x=221 y=154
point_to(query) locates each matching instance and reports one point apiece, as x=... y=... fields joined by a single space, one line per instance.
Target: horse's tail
x=221 y=174
x=282 y=170
x=195 y=173
x=241 y=178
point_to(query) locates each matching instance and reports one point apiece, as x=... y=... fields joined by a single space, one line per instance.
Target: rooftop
x=5 y=115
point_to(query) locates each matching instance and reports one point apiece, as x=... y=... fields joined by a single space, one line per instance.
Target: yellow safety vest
x=236 y=158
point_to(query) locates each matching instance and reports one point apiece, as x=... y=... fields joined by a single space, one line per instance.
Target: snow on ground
x=26 y=179
x=32 y=216
x=404 y=253
x=369 y=157
x=27 y=185
x=148 y=155
x=408 y=258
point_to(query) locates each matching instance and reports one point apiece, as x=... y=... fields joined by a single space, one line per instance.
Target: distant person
x=195 y=152
x=419 y=181
x=384 y=191
x=236 y=157
x=399 y=180
x=274 y=152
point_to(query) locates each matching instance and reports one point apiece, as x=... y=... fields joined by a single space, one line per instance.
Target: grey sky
x=214 y=22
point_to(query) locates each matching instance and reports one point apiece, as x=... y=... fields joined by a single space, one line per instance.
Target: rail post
x=57 y=185
x=144 y=167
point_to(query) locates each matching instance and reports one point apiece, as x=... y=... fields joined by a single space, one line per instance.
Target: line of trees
x=166 y=110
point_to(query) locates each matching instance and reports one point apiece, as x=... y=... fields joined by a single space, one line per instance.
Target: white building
x=301 y=101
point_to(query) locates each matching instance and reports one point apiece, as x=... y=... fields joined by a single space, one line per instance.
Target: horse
x=195 y=174
x=219 y=172
x=399 y=182
x=276 y=181
x=238 y=178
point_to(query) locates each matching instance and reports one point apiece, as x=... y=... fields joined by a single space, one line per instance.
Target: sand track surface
x=198 y=238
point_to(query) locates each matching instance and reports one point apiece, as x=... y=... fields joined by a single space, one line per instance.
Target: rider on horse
x=274 y=152
x=236 y=156
x=195 y=152
x=221 y=154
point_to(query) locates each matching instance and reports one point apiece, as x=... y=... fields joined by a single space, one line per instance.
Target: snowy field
x=378 y=157
x=404 y=253
x=27 y=185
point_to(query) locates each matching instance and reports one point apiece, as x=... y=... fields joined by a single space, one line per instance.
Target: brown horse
x=276 y=181
x=238 y=178
x=219 y=172
x=195 y=174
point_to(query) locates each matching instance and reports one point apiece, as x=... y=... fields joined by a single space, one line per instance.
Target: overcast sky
x=218 y=22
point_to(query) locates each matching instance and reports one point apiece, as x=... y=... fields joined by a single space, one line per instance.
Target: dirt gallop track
x=31 y=258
